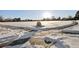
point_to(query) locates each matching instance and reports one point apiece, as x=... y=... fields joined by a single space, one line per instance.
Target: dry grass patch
x=39 y=41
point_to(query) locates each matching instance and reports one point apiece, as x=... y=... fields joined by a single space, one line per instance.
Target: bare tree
x=76 y=16
x=1 y=18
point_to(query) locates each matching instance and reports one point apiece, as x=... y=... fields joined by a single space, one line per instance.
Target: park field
x=38 y=37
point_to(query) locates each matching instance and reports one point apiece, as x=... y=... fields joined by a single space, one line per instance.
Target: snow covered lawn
x=37 y=39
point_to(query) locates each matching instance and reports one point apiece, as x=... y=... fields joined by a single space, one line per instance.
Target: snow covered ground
x=31 y=24
x=37 y=40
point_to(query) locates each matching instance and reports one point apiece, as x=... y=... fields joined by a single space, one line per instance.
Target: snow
x=62 y=40
x=57 y=42
x=31 y=24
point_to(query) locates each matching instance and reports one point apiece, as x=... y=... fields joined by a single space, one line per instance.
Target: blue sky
x=35 y=14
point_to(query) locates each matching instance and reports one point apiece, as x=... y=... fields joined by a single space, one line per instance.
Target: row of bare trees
x=9 y=20
x=76 y=17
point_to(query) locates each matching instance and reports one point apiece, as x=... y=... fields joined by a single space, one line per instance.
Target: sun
x=46 y=15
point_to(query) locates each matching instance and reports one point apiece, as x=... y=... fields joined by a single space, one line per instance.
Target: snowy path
x=72 y=29
x=14 y=27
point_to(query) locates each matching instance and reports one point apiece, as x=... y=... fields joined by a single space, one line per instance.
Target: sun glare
x=46 y=15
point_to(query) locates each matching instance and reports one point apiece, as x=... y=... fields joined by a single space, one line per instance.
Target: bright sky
x=36 y=14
